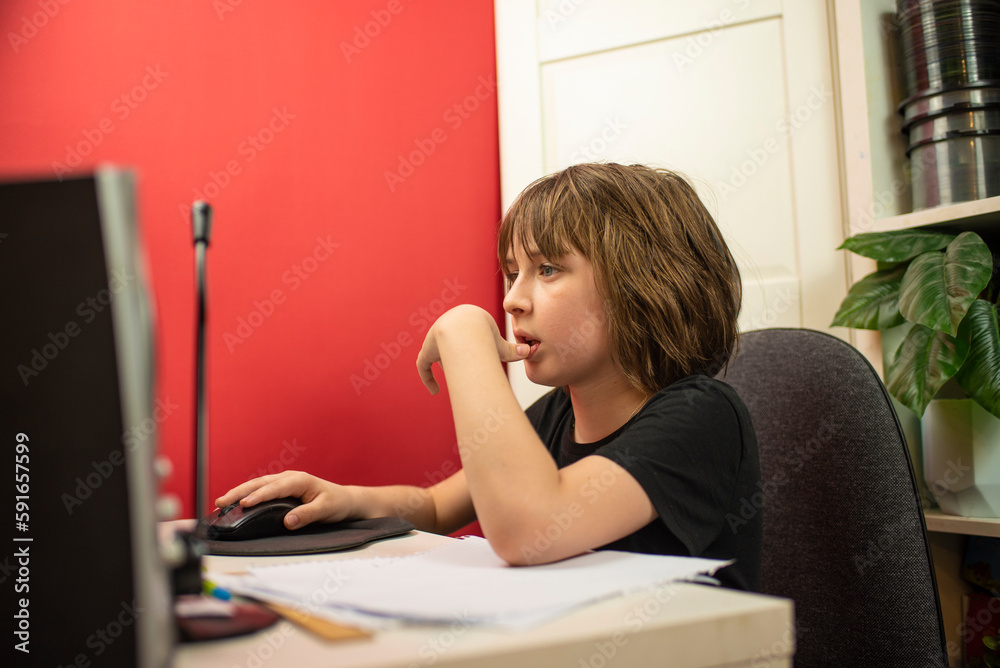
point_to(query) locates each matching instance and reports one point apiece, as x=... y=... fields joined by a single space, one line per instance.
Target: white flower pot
x=961 y=443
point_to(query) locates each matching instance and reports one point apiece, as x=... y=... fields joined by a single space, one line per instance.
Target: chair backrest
x=844 y=534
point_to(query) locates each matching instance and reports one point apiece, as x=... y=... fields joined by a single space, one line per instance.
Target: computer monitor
x=83 y=574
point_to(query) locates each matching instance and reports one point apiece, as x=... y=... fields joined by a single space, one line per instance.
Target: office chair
x=844 y=534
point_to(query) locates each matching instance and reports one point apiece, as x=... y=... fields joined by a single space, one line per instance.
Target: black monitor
x=82 y=573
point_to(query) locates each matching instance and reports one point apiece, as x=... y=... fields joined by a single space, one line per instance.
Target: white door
x=735 y=94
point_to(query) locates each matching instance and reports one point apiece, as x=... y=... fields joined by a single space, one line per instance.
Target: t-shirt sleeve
x=685 y=450
x=544 y=416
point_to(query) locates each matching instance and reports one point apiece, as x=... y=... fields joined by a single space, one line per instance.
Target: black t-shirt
x=693 y=450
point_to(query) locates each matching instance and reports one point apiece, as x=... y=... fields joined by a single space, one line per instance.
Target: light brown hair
x=670 y=287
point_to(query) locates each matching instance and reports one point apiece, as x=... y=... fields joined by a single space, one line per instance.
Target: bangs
x=548 y=216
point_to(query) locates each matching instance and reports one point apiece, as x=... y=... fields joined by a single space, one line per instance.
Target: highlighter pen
x=211 y=589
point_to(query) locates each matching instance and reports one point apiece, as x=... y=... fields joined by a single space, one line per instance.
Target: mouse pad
x=311 y=539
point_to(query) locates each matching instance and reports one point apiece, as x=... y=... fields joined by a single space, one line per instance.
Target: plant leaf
x=938 y=288
x=980 y=375
x=896 y=246
x=991 y=642
x=885 y=266
x=924 y=361
x=872 y=302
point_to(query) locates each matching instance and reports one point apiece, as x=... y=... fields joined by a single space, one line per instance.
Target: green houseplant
x=946 y=286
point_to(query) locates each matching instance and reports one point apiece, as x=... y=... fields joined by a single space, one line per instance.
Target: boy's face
x=555 y=307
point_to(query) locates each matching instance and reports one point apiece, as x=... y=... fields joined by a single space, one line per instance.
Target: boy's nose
x=515 y=301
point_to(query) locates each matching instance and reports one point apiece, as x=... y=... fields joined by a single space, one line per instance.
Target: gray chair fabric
x=844 y=533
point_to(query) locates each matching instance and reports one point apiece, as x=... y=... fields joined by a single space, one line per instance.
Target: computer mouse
x=234 y=522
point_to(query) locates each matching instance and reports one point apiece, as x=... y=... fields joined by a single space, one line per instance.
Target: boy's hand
x=468 y=325
x=322 y=501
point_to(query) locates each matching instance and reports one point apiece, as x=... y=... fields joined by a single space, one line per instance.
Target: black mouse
x=234 y=522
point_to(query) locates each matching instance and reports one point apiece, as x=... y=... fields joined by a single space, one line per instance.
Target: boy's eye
x=547 y=270
x=511 y=277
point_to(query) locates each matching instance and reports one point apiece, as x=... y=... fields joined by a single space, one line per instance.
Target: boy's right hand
x=322 y=501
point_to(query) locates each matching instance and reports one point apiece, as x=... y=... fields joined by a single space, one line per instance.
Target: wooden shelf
x=938 y=522
x=876 y=198
x=967 y=215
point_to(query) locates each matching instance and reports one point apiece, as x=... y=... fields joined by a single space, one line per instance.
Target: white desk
x=678 y=625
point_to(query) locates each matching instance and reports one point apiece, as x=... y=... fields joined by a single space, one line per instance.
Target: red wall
x=349 y=150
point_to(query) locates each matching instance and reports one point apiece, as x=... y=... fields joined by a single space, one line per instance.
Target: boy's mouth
x=533 y=343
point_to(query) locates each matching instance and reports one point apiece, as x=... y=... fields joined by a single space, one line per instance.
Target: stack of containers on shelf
x=950 y=67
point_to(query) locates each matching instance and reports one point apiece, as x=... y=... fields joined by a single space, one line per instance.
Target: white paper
x=464 y=582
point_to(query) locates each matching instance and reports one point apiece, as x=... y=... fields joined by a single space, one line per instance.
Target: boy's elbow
x=514 y=555
x=523 y=548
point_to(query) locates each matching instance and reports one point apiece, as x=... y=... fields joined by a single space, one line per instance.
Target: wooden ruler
x=323 y=628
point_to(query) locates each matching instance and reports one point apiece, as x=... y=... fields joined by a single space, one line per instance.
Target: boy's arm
x=530 y=510
x=443 y=508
